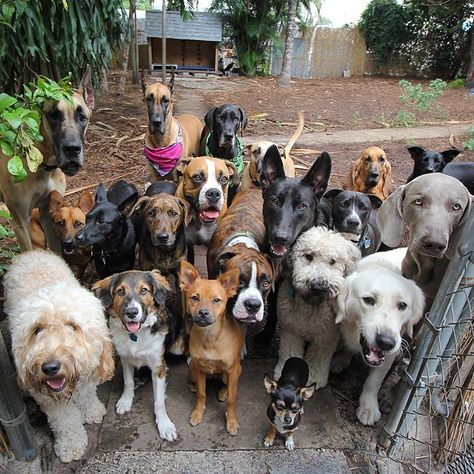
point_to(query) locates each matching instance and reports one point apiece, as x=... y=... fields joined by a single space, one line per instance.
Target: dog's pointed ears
x=307 y=392
x=390 y=218
x=85 y=202
x=104 y=289
x=56 y=201
x=160 y=287
x=332 y=194
x=230 y=281
x=272 y=167
x=85 y=88
x=449 y=155
x=318 y=175
x=187 y=275
x=101 y=193
x=415 y=151
x=270 y=384
x=209 y=118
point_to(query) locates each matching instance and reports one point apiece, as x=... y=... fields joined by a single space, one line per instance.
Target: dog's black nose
x=51 y=368
x=287 y=420
x=432 y=245
x=281 y=238
x=352 y=222
x=228 y=136
x=203 y=313
x=131 y=313
x=386 y=343
x=373 y=175
x=163 y=237
x=319 y=287
x=213 y=194
x=252 y=305
x=72 y=149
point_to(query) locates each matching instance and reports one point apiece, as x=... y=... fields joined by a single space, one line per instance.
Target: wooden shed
x=190 y=45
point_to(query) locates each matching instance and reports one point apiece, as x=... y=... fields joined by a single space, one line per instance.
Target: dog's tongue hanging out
x=209 y=214
x=133 y=327
x=56 y=384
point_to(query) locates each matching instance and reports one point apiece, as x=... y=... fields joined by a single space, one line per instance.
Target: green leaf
x=33 y=158
x=13 y=118
x=6 y=101
x=6 y=147
x=15 y=166
x=5 y=214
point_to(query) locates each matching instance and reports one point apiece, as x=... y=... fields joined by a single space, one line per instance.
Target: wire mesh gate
x=431 y=425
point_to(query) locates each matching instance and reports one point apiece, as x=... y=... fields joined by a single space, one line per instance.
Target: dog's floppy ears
x=125 y=208
x=224 y=256
x=186 y=208
x=390 y=218
x=230 y=281
x=375 y=201
x=160 y=287
x=233 y=173
x=243 y=120
x=56 y=201
x=270 y=384
x=209 y=118
x=85 y=202
x=455 y=238
x=187 y=274
x=106 y=369
x=85 y=88
x=354 y=255
x=418 y=309
x=449 y=155
x=247 y=151
x=307 y=392
x=272 y=168
x=415 y=151
x=387 y=179
x=318 y=175
x=101 y=193
x=104 y=290
x=181 y=166
x=139 y=205
x=332 y=194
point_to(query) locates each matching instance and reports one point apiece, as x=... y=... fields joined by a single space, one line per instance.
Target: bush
x=420 y=98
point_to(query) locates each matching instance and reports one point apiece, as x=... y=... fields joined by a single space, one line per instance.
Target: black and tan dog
x=168 y=139
x=162 y=243
x=63 y=126
x=236 y=243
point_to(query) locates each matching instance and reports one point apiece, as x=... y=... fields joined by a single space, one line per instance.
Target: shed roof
x=204 y=26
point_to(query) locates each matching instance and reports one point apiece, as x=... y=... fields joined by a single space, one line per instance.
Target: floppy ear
x=230 y=281
x=56 y=201
x=233 y=173
x=270 y=384
x=390 y=218
x=418 y=310
x=171 y=83
x=85 y=202
x=125 y=207
x=354 y=255
x=387 y=179
x=375 y=201
x=318 y=175
x=181 y=166
x=248 y=151
x=457 y=233
x=243 y=119
x=332 y=193
x=140 y=204
x=160 y=287
x=101 y=193
x=104 y=289
x=415 y=151
x=209 y=118
x=105 y=370
x=272 y=168
x=224 y=256
x=343 y=299
x=307 y=392
x=449 y=155
x=85 y=88
x=186 y=208
x=187 y=275
x=353 y=175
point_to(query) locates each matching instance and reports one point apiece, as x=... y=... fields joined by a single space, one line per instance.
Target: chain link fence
x=431 y=425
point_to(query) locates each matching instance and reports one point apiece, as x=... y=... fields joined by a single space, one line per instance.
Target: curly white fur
x=52 y=318
x=318 y=261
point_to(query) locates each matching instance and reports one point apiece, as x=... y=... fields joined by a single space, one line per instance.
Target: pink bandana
x=164 y=159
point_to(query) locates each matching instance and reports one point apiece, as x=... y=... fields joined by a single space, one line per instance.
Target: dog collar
x=48 y=167
x=237 y=160
x=245 y=238
x=164 y=159
x=365 y=242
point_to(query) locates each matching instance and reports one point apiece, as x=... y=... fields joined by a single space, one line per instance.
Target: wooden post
x=216 y=60
x=163 y=42
x=150 y=54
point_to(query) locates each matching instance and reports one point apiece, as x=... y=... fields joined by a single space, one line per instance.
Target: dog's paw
x=368 y=413
x=124 y=405
x=71 y=448
x=192 y=387
x=232 y=426
x=222 y=394
x=290 y=444
x=196 y=418
x=166 y=429
x=268 y=441
x=94 y=413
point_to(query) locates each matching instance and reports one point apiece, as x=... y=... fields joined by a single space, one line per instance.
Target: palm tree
x=285 y=76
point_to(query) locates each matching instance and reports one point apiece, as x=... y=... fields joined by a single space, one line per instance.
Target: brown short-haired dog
x=67 y=222
x=215 y=341
x=371 y=173
x=162 y=241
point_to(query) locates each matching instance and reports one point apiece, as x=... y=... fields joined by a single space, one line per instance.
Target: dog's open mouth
x=372 y=355
x=133 y=326
x=56 y=384
x=209 y=215
x=278 y=250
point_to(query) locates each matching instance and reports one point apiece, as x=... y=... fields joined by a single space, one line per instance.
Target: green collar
x=237 y=161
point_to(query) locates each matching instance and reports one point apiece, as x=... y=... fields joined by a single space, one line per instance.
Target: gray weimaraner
x=434 y=208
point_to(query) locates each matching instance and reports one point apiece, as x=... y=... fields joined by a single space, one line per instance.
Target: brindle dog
x=63 y=127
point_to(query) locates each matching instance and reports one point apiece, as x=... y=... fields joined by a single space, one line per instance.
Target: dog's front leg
x=318 y=356
x=291 y=345
x=125 y=402
x=232 y=424
x=165 y=426
x=368 y=412
x=93 y=410
x=200 y=379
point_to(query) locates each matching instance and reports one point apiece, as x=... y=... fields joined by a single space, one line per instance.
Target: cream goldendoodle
x=60 y=344
x=317 y=264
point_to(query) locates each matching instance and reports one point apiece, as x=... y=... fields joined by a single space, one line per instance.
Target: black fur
x=429 y=161
x=462 y=171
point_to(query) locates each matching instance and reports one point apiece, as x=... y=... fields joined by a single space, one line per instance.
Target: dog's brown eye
x=309 y=257
x=274 y=201
x=456 y=207
x=152 y=213
x=382 y=159
x=266 y=284
x=224 y=179
x=173 y=213
x=143 y=290
x=418 y=202
x=295 y=409
x=197 y=178
x=62 y=223
x=402 y=306
x=195 y=297
x=121 y=292
x=280 y=406
x=73 y=326
x=332 y=261
x=369 y=300
x=77 y=224
x=301 y=206
x=217 y=300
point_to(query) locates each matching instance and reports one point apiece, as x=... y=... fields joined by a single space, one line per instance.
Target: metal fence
x=431 y=426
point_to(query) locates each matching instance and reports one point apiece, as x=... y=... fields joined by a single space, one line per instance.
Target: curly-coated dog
x=60 y=344
x=318 y=263
x=376 y=307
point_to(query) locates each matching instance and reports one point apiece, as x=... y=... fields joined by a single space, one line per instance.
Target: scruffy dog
x=60 y=344
x=317 y=264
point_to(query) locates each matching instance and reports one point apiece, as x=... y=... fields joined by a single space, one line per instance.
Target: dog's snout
x=386 y=343
x=51 y=367
x=131 y=312
x=163 y=237
x=319 y=287
x=72 y=148
x=352 y=222
x=156 y=121
x=287 y=419
x=281 y=238
x=252 y=305
x=228 y=136
x=213 y=194
x=203 y=313
x=433 y=245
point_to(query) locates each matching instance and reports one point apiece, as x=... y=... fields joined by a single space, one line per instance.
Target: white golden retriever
x=376 y=306
x=60 y=344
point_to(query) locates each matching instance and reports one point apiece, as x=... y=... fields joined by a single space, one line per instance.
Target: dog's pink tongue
x=211 y=214
x=56 y=384
x=374 y=356
x=133 y=327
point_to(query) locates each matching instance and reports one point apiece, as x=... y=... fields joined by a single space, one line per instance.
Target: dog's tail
x=296 y=135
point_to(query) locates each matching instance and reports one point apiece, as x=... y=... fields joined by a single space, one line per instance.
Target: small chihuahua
x=288 y=396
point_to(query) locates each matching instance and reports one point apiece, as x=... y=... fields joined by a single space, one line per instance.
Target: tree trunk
x=470 y=71
x=125 y=52
x=133 y=42
x=285 y=76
